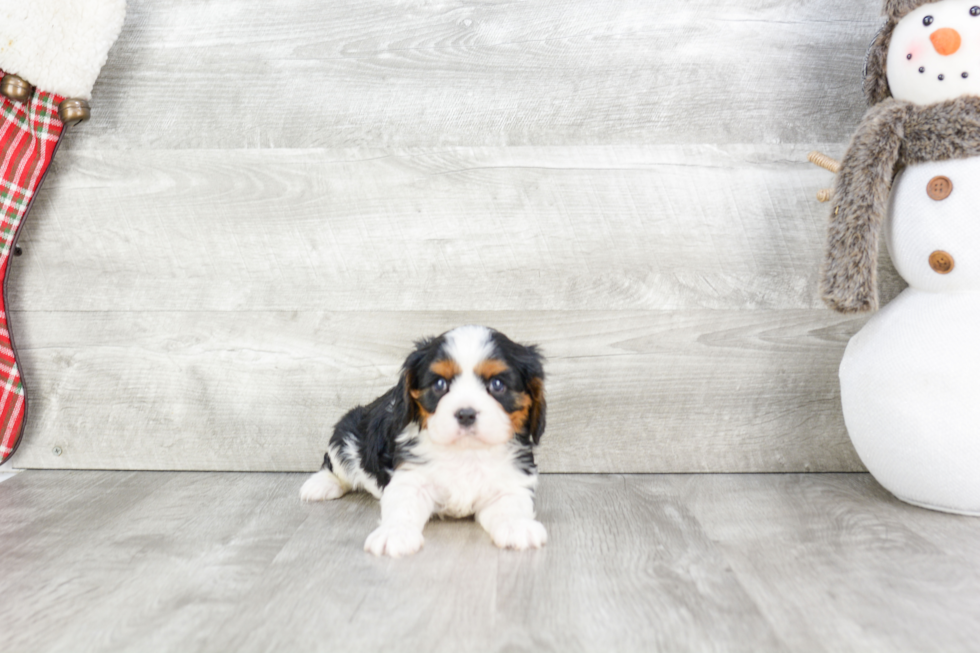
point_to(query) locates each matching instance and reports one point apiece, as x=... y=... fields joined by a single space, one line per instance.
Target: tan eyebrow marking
x=447 y=369
x=490 y=368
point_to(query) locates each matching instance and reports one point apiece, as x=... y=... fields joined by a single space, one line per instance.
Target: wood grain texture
x=101 y=562
x=662 y=586
x=229 y=74
x=104 y=561
x=272 y=202
x=649 y=391
x=822 y=558
x=605 y=228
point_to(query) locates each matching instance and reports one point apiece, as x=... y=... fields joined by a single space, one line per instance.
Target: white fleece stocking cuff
x=59 y=46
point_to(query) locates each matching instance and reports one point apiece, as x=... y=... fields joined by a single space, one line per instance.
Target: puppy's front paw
x=520 y=534
x=395 y=541
x=322 y=486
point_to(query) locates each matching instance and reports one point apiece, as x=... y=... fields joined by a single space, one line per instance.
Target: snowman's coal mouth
x=942 y=76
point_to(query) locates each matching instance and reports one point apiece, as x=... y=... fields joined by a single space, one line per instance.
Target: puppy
x=453 y=438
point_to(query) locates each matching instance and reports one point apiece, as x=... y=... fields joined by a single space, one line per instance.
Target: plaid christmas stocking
x=29 y=135
x=51 y=52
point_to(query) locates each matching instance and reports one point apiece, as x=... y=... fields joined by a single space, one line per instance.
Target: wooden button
x=941 y=262
x=939 y=188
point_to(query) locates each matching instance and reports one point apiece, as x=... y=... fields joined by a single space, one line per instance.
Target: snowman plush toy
x=910 y=379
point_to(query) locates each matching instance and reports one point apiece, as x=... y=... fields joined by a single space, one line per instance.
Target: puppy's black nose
x=466 y=416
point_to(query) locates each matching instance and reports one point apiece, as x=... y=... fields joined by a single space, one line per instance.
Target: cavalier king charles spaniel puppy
x=453 y=438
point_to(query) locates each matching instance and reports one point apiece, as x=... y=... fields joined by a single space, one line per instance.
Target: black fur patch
x=425 y=379
x=373 y=429
x=525 y=460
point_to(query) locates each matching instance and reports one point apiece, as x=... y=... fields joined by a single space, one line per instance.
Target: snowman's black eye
x=928 y=20
x=975 y=11
x=909 y=57
x=922 y=70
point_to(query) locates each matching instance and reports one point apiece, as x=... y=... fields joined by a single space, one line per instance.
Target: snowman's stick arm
x=824 y=161
x=849 y=278
x=827 y=163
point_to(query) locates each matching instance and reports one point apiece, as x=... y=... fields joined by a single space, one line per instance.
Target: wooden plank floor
x=101 y=561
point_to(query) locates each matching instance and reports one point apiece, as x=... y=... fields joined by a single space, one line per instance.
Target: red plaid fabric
x=29 y=132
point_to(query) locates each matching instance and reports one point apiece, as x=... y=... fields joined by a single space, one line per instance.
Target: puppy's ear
x=409 y=379
x=530 y=364
x=536 y=414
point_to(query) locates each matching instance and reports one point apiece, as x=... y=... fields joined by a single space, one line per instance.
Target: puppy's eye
x=440 y=386
x=928 y=20
x=496 y=386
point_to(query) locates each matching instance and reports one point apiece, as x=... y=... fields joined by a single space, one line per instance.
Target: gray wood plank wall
x=271 y=203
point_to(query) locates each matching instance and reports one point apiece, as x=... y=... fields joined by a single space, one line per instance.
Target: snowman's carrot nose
x=946 y=41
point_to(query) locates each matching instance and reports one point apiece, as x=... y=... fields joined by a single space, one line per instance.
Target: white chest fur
x=461 y=481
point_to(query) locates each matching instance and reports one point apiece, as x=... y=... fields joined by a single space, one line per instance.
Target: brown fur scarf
x=896 y=9
x=893 y=134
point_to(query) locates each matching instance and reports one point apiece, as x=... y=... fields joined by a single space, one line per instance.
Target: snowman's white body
x=910 y=379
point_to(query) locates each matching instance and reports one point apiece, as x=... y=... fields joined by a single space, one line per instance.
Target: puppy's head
x=475 y=386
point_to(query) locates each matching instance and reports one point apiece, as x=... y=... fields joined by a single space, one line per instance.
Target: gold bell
x=73 y=111
x=16 y=88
